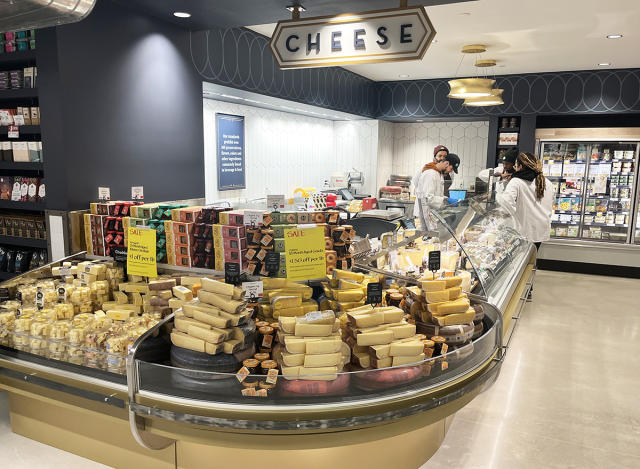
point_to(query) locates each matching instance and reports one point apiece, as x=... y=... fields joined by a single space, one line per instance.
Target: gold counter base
x=89 y=434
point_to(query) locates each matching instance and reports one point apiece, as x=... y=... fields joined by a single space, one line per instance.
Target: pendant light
x=463 y=88
x=495 y=99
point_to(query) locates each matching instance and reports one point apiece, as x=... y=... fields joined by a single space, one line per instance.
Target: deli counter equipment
x=135 y=404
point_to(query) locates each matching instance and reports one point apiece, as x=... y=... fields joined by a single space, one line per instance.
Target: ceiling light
x=464 y=88
x=182 y=14
x=495 y=99
x=293 y=7
x=486 y=63
x=404 y=75
x=434 y=41
x=604 y=64
x=614 y=36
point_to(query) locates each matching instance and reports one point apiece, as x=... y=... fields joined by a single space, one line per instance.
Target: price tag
x=232 y=273
x=253 y=290
x=434 y=261
x=137 y=193
x=64 y=271
x=119 y=253
x=18 y=119
x=62 y=294
x=374 y=293
x=272 y=262
x=253 y=218
x=15 y=193
x=104 y=193
x=39 y=299
x=13 y=132
x=275 y=202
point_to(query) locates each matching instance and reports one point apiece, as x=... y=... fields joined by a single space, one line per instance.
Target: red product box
x=369 y=203
x=235 y=255
x=183 y=261
x=202 y=231
x=183 y=240
x=181 y=228
x=234 y=243
x=229 y=231
x=236 y=218
x=182 y=251
x=186 y=215
x=203 y=246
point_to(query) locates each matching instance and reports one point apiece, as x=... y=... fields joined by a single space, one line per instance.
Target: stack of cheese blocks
x=313 y=347
x=346 y=290
x=209 y=324
x=381 y=338
x=283 y=298
x=446 y=304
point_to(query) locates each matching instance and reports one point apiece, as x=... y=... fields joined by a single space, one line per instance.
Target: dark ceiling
x=206 y=14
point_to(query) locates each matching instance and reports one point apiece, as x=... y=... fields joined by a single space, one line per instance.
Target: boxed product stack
x=22 y=188
x=230 y=240
x=313 y=347
x=23 y=226
x=283 y=298
x=159 y=215
x=104 y=226
x=217 y=322
x=346 y=290
x=20 y=260
x=381 y=338
x=13 y=41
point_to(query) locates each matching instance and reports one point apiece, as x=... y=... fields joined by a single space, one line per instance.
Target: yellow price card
x=141 y=253
x=305 y=254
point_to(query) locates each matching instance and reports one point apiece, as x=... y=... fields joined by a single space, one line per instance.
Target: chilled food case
x=594 y=183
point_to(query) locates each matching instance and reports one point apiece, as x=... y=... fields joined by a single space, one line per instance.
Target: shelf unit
x=504 y=126
x=23 y=130
x=25 y=242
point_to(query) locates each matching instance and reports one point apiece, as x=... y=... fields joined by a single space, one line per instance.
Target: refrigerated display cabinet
x=165 y=414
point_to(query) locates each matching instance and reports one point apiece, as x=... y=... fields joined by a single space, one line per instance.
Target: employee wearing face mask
x=439 y=153
x=430 y=184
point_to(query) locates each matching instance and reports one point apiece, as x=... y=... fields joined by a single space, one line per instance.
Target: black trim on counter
x=589 y=268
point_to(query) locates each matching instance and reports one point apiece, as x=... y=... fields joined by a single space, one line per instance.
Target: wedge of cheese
x=348 y=295
x=283 y=302
x=449 y=307
x=119 y=314
x=433 y=285
x=211 y=319
x=361 y=359
x=288 y=312
x=313 y=345
x=182 y=293
x=375 y=338
x=322 y=360
x=221 y=302
x=448 y=294
x=407 y=348
x=292 y=359
x=379 y=351
x=316 y=330
x=403 y=330
x=350 y=285
x=455 y=319
x=327 y=373
x=214 y=286
x=381 y=362
x=182 y=323
x=346 y=275
x=406 y=360
x=391 y=314
x=186 y=341
x=361 y=309
x=213 y=336
x=365 y=319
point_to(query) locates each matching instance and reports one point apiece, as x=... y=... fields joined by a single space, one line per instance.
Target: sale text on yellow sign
x=141 y=254
x=305 y=253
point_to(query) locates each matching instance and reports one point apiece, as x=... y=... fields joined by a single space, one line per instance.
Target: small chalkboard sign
x=119 y=254
x=434 y=261
x=232 y=273
x=272 y=262
x=374 y=293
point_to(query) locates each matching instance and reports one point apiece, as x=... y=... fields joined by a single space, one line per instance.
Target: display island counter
x=151 y=406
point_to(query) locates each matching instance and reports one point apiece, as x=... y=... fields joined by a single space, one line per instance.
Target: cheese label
x=261 y=393
x=267 y=340
x=444 y=349
x=15 y=193
x=242 y=374
x=267 y=220
x=42 y=191
x=249 y=392
x=272 y=376
x=24 y=189
x=32 y=190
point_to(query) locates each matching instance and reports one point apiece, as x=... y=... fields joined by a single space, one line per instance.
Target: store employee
x=439 y=154
x=430 y=184
x=508 y=162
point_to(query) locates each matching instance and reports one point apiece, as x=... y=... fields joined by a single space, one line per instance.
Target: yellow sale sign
x=305 y=254
x=141 y=252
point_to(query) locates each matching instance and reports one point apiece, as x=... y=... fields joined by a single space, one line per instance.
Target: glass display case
x=594 y=184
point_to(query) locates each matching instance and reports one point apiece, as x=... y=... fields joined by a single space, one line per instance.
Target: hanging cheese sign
x=330 y=41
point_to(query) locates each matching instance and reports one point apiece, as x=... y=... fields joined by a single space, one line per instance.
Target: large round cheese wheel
x=453 y=335
x=220 y=363
x=479 y=313
x=372 y=380
x=310 y=388
x=478 y=329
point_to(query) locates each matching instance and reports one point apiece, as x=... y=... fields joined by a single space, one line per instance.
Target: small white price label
x=253 y=217
x=104 y=193
x=275 y=202
x=18 y=119
x=253 y=290
x=137 y=193
x=13 y=131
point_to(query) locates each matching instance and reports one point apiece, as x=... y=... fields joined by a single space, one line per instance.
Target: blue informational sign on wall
x=230 y=151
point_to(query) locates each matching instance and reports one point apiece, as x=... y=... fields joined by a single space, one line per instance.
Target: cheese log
x=213 y=336
x=348 y=295
x=186 y=341
x=433 y=285
x=119 y=314
x=120 y=297
x=322 y=360
x=407 y=348
x=363 y=360
x=163 y=284
x=316 y=330
x=182 y=293
x=380 y=351
x=405 y=360
x=455 y=319
x=327 y=373
x=228 y=305
x=375 y=338
x=403 y=331
x=292 y=359
x=232 y=346
x=182 y=324
x=211 y=319
x=367 y=319
x=346 y=275
x=214 y=286
x=449 y=307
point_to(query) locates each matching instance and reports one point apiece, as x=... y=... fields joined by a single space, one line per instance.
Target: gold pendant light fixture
x=476 y=91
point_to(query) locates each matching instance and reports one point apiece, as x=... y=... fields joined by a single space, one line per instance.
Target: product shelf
x=23 y=93
x=22 y=130
x=26 y=242
x=30 y=206
x=21 y=166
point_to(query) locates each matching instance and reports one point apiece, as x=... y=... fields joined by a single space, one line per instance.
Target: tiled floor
x=566 y=397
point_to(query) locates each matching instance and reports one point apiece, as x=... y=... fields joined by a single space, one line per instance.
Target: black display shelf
x=24 y=93
x=26 y=242
x=7 y=275
x=507 y=146
x=22 y=130
x=509 y=129
x=21 y=166
x=10 y=59
x=29 y=206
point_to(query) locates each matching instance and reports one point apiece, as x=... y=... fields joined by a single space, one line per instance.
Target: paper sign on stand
x=104 y=193
x=305 y=253
x=275 y=202
x=141 y=254
x=137 y=193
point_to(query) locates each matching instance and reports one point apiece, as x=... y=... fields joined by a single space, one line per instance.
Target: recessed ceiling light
x=404 y=75
x=604 y=64
x=614 y=36
x=292 y=7
x=182 y=14
x=465 y=13
x=434 y=41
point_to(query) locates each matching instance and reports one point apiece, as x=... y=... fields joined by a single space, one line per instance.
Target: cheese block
x=453 y=281
x=403 y=331
x=380 y=351
x=322 y=360
x=225 y=304
x=287 y=324
x=182 y=293
x=405 y=360
x=164 y=294
x=283 y=302
x=182 y=323
x=305 y=292
x=157 y=301
x=316 y=330
x=232 y=346
x=273 y=283
x=448 y=294
x=134 y=287
x=191 y=306
x=175 y=303
x=455 y=319
x=186 y=341
x=361 y=309
x=350 y=285
x=137 y=298
x=289 y=312
x=375 y=338
x=449 y=307
x=129 y=307
x=433 y=285
x=318 y=317
x=348 y=295
x=211 y=319
x=120 y=297
x=238 y=294
x=213 y=349
x=313 y=345
x=327 y=373
x=163 y=284
x=366 y=319
x=236 y=319
x=405 y=348
x=392 y=314
x=292 y=359
x=291 y=372
x=213 y=336
x=361 y=359
x=119 y=314
x=309 y=306
x=414 y=292
x=381 y=362
x=346 y=275
x=214 y=286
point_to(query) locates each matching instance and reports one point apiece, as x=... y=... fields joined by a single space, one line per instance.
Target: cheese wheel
x=453 y=335
x=381 y=379
x=314 y=388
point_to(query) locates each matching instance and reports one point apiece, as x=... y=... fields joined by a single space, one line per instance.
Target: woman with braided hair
x=529 y=198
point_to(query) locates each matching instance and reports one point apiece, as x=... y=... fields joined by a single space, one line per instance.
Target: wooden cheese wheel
x=312 y=388
x=453 y=335
x=479 y=313
x=478 y=329
x=387 y=377
x=197 y=361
